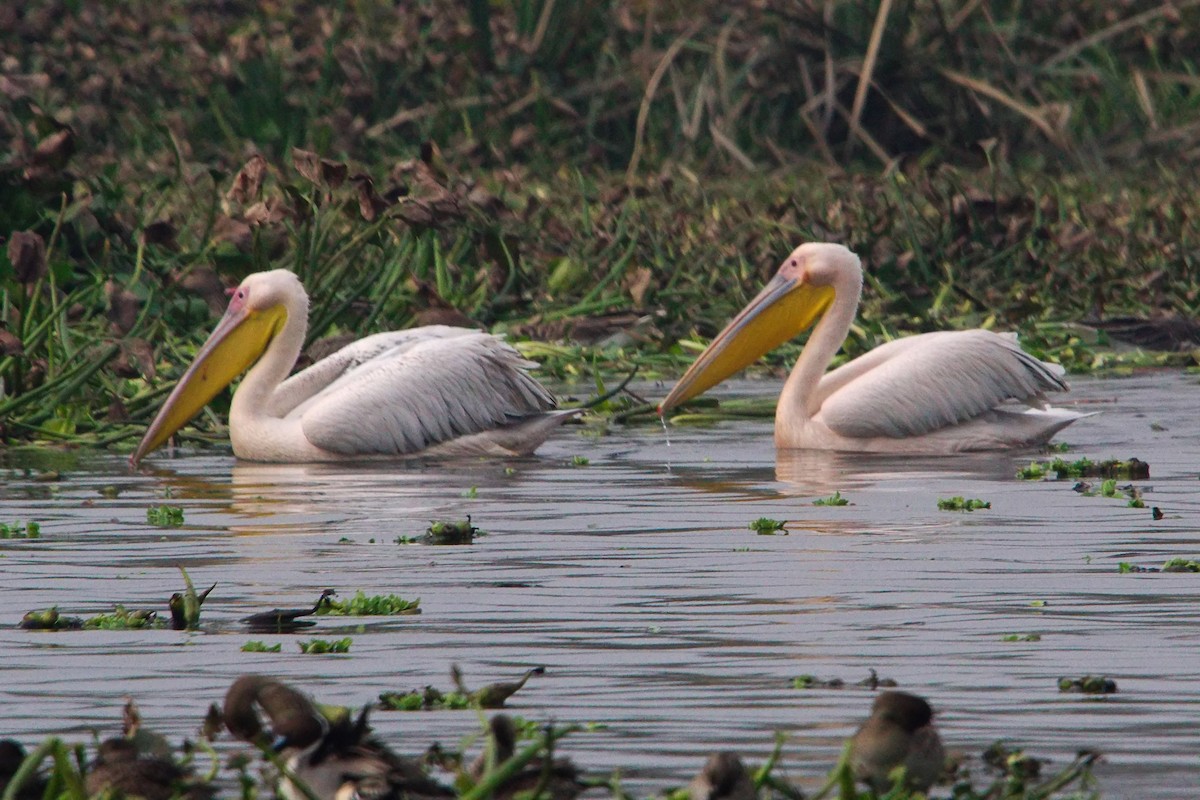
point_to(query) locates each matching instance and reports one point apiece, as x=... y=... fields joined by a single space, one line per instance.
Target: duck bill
x=238 y=340
x=784 y=308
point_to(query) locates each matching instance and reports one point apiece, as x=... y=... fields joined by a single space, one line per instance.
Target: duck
x=121 y=769
x=898 y=733
x=554 y=779
x=329 y=759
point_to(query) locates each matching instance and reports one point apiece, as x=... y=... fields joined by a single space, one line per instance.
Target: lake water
x=635 y=581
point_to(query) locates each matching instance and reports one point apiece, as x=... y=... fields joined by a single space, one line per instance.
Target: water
x=636 y=582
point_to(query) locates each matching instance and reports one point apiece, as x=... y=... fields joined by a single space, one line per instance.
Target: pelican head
x=794 y=299
x=258 y=310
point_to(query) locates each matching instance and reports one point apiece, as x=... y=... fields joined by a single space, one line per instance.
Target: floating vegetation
x=765 y=526
x=1109 y=488
x=48 y=619
x=15 y=530
x=1021 y=637
x=256 y=646
x=1171 y=565
x=835 y=499
x=451 y=532
x=165 y=516
x=325 y=646
x=362 y=605
x=493 y=695
x=872 y=681
x=580 y=461
x=1088 y=684
x=959 y=503
x=1060 y=469
x=121 y=619
x=427 y=699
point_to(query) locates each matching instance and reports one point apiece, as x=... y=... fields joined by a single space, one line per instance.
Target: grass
x=606 y=186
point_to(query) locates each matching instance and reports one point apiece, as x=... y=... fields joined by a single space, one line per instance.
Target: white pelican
x=435 y=390
x=931 y=393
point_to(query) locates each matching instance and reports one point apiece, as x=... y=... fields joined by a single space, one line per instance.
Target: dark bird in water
x=724 y=777
x=337 y=759
x=120 y=769
x=555 y=779
x=286 y=620
x=12 y=755
x=899 y=733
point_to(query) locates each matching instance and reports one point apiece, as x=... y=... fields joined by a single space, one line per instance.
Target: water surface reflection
x=637 y=583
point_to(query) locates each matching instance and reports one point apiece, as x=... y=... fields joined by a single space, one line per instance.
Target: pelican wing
x=919 y=384
x=401 y=393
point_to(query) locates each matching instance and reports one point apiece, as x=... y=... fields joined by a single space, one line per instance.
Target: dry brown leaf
x=123 y=307
x=370 y=204
x=161 y=233
x=247 y=184
x=56 y=149
x=10 y=343
x=234 y=231
x=637 y=283
x=204 y=282
x=27 y=254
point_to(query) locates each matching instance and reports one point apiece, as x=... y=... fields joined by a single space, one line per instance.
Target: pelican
x=932 y=393
x=436 y=390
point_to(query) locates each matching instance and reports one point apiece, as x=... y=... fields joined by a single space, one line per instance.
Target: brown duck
x=336 y=759
x=899 y=732
x=120 y=769
x=557 y=779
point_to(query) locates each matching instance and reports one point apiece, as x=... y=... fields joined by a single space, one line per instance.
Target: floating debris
x=256 y=646
x=48 y=619
x=1088 y=684
x=1060 y=469
x=446 y=532
x=30 y=530
x=835 y=499
x=959 y=503
x=765 y=526
x=362 y=605
x=121 y=619
x=165 y=516
x=493 y=695
x=325 y=646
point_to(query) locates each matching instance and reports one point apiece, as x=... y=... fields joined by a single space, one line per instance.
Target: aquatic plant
x=835 y=499
x=492 y=695
x=258 y=646
x=324 y=646
x=959 y=503
x=1132 y=469
x=445 y=532
x=165 y=516
x=1088 y=684
x=362 y=605
x=121 y=618
x=15 y=530
x=765 y=526
x=48 y=619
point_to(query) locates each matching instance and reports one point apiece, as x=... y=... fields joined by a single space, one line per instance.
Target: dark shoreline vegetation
x=605 y=182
